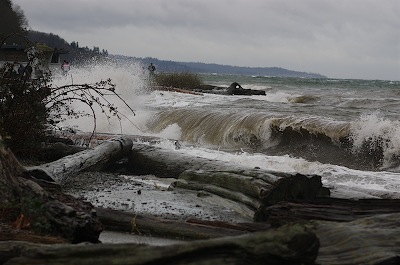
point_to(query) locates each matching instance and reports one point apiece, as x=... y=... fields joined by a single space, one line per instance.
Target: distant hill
x=257 y=71
x=172 y=66
x=78 y=55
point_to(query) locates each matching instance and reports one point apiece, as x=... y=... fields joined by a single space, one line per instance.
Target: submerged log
x=91 y=159
x=328 y=209
x=175 y=89
x=288 y=245
x=236 y=89
x=51 y=212
x=248 y=92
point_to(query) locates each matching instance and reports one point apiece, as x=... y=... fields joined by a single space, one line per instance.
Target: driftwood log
x=30 y=206
x=233 y=89
x=246 y=92
x=158 y=227
x=90 y=159
x=9 y=233
x=53 y=151
x=327 y=209
x=370 y=240
x=179 y=90
x=253 y=188
x=288 y=245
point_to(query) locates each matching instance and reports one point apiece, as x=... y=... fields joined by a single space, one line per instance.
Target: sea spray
x=377 y=135
x=131 y=86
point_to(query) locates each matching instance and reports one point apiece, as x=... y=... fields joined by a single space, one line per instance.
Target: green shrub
x=178 y=80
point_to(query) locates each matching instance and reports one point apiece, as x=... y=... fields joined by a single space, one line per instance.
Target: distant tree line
x=13 y=21
x=76 y=54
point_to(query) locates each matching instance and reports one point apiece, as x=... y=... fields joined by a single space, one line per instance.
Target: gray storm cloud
x=337 y=38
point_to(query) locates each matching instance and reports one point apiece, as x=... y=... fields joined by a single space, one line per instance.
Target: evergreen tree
x=12 y=20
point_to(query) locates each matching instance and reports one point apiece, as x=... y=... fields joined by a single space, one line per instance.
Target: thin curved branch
x=90 y=94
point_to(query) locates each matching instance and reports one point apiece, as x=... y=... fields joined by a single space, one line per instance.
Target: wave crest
x=377 y=135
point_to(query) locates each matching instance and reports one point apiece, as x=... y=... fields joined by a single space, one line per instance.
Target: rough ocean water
x=346 y=131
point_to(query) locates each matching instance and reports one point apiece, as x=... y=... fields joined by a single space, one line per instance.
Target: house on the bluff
x=17 y=54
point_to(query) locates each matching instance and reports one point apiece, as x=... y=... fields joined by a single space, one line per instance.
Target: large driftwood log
x=91 y=159
x=251 y=187
x=288 y=245
x=371 y=240
x=32 y=207
x=328 y=209
x=266 y=187
x=236 y=196
x=12 y=234
x=159 y=227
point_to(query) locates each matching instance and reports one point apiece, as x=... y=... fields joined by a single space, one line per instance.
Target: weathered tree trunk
x=328 y=209
x=236 y=196
x=371 y=240
x=256 y=185
x=254 y=188
x=13 y=235
x=91 y=159
x=145 y=159
x=31 y=206
x=58 y=150
x=287 y=245
x=158 y=227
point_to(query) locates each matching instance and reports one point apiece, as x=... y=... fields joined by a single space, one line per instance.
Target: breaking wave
x=370 y=143
x=374 y=133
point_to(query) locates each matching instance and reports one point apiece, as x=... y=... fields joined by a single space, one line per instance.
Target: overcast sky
x=336 y=38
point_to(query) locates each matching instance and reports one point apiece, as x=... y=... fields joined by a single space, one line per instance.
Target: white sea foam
x=257 y=87
x=343 y=182
x=279 y=96
x=377 y=132
x=130 y=85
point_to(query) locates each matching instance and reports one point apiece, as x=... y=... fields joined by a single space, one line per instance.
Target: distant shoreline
x=208 y=68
